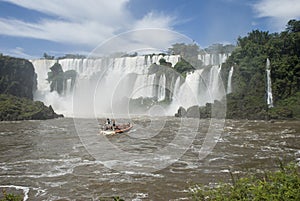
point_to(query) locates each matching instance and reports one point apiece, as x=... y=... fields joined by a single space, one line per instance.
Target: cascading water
x=214 y=81
x=187 y=94
x=269 y=85
x=161 y=88
x=103 y=85
x=106 y=85
x=213 y=59
x=229 y=82
x=144 y=86
x=200 y=87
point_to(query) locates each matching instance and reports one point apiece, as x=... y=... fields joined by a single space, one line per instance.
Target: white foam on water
x=140 y=196
x=55 y=184
x=53 y=167
x=143 y=174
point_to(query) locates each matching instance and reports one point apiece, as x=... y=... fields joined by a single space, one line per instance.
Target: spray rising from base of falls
x=124 y=85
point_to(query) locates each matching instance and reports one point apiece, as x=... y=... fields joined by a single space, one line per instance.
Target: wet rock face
x=17 y=77
x=18 y=81
x=59 y=78
x=181 y=112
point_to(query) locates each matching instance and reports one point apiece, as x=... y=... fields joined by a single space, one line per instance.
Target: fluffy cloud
x=154 y=20
x=86 y=22
x=279 y=11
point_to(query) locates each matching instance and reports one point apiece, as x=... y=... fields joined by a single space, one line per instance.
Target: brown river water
x=68 y=159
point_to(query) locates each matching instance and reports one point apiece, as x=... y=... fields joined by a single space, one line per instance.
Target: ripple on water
x=46 y=160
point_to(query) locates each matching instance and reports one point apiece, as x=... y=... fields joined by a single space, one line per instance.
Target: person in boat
x=107 y=124
x=113 y=124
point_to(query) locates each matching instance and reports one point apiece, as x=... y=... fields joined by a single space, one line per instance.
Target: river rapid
x=51 y=160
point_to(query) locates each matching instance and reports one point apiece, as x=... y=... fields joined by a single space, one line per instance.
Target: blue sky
x=28 y=28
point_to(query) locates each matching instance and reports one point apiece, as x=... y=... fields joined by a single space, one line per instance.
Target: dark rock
x=205 y=111
x=210 y=110
x=17 y=77
x=58 y=78
x=193 y=112
x=17 y=84
x=181 y=112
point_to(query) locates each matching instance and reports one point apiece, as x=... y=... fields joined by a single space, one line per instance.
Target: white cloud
x=141 y=41
x=86 y=22
x=154 y=20
x=279 y=11
x=77 y=10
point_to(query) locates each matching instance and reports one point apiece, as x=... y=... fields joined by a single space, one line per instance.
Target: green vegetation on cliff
x=248 y=99
x=183 y=67
x=13 y=108
x=17 y=84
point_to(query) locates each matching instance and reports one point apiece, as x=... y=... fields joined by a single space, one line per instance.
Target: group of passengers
x=110 y=124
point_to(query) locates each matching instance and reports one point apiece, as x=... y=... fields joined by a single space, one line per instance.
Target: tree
x=46 y=56
x=183 y=67
x=163 y=62
x=293 y=26
x=249 y=59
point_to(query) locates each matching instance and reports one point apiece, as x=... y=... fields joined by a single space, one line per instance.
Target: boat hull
x=112 y=132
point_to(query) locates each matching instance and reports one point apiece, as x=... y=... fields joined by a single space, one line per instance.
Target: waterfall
x=161 y=95
x=213 y=59
x=229 y=81
x=269 y=85
x=106 y=85
x=200 y=87
x=187 y=94
x=144 y=86
x=213 y=84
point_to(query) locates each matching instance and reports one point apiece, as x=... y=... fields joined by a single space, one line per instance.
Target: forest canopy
x=249 y=79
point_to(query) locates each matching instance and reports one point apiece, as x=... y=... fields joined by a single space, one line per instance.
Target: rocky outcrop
x=17 y=84
x=181 y=112
x=210 y=110
x=14 y=108
x=17 y=77
x=59 y=78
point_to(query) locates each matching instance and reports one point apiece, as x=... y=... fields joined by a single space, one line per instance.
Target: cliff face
x=17 y=84
x=17 y=77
